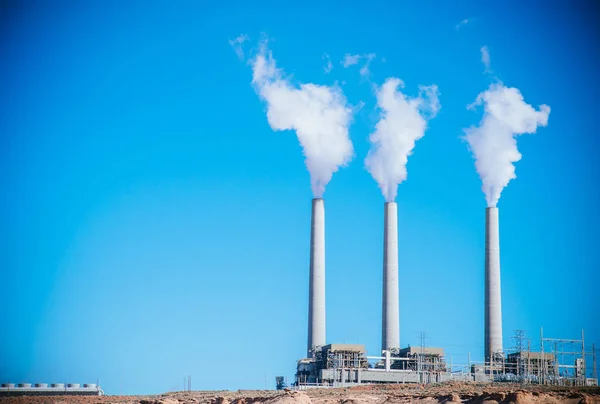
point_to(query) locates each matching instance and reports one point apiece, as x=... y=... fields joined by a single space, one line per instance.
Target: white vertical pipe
x=390 y=338
x=316 y=298
x=493 y=300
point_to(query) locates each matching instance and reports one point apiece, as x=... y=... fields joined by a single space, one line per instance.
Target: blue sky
x=155 y=226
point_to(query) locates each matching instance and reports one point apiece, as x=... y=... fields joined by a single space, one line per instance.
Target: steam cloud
x=403 y=121
x=485 y=58
x=319 y=114
x=493 y=142
x=237 y=45
x=328 y=66
x=351 y=60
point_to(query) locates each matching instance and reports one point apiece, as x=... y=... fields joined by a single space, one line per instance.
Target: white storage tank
x=73 y=385
x=25 y=385
x=90 y=385
x=9 y=385
x=42 y=385
x=57 y=385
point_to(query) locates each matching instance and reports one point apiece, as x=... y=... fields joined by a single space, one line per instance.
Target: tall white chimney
x=390 y=335
x=316 y=297
x=493 y=301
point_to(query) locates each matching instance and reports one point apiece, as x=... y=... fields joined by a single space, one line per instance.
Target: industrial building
x=333 y=365
x=54 y=389
x=524 y=362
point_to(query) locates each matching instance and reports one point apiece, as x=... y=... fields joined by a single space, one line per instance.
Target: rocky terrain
x=368 y=394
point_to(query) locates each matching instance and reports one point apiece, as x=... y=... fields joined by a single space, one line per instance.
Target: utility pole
x=583 y=369
x=542 y=358
x=519 y=336
x=422 y=336
x=556 y=364
x=528 y=360
x=471 y=374
x=594 y=372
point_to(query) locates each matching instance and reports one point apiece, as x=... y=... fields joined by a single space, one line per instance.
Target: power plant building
x=334 y=365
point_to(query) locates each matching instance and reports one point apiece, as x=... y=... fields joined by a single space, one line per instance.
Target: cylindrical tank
x=25 y=385
x=42 y=385
x=73 y=385
x=9 y=385
x=90 y=385
x=58 y=385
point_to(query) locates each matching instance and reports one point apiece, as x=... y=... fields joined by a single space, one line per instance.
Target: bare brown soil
x=368 y=394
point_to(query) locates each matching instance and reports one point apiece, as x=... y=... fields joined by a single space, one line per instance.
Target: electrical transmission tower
x=520 y=339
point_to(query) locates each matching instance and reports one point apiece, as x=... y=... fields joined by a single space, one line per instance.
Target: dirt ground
x=368 y=394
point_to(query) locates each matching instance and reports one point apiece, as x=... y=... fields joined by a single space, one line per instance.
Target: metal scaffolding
x=560 y=362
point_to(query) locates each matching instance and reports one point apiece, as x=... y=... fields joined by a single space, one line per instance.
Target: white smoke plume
x=350 y=60
x=403 y=121
x=319 y=114
x=493 y=142
x=328 y=65
x=485 y=58
x=364 y=71
x=237 y=45
x=462 y=23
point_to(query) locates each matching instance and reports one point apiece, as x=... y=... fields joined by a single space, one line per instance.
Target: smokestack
x=391 y=304
x=316 y=297
x=493 y=302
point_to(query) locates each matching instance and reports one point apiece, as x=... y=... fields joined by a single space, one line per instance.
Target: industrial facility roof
x=533 y=355
x=413 y=350
x=344 y=347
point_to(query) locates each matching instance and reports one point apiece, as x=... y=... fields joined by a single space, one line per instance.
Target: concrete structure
x=316 y=297
x=337 y=365
x=390 y=321
x=531 y=363
x=412 y=351
x=419 y=359
x=55 y=389
x=493 y=299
